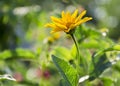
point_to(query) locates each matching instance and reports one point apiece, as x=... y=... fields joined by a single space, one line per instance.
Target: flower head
x=68 y=21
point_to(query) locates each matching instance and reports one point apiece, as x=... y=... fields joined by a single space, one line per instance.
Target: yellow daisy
x=68 y=21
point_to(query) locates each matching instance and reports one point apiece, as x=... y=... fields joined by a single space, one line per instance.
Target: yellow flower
x=53 y=37
x=68 y=21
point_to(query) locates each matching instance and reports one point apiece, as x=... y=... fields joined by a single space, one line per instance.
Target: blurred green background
x=22 y=26
x=22 y=22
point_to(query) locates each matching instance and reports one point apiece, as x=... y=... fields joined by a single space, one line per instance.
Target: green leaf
x=63 y=82
x=99 y=64
x=116 y=47
x=63 y=52
x=66 y=70
x=107 y=81
x=113 y=48
x=18 y=53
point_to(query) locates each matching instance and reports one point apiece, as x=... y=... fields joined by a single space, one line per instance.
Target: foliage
x=31 y=56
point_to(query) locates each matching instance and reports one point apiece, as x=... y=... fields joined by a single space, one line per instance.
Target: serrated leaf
x=66 y=70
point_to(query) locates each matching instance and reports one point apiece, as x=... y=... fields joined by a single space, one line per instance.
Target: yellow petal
x=58 y=20
x=83 y=20
x=60 y=26
x=51 y=25
x=80 y=16
x=86 y=19
x=67 y=21
x=72 y=26
x=68 y=16
x=64 y=17
x=67 y=30
x=56 y=30
x=74 y=15
x=63 y=14
x=48 y=24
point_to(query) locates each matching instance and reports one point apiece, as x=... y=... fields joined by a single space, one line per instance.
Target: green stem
x=78 y=55
x=77 y=47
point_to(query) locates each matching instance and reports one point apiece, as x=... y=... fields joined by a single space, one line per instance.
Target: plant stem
x=77 y=47
x=78 y=55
